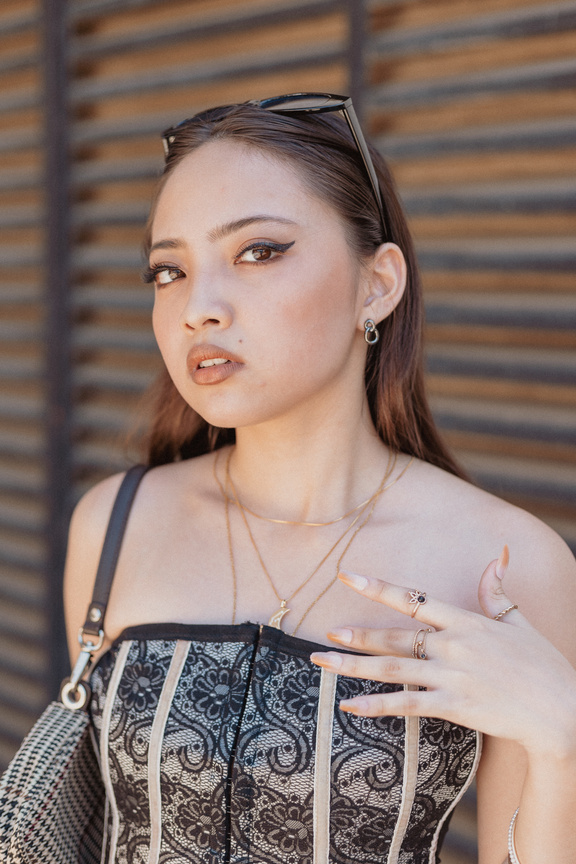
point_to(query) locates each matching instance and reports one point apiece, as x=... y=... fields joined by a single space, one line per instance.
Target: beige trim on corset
x=433 y=848
x=155 y=746
x=411 y=753
x=104 y=742
x=322 y=767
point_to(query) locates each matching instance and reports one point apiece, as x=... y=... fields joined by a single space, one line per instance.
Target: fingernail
x=341 y=634
x=353 y=579
x=502 y=563
x=327 y=661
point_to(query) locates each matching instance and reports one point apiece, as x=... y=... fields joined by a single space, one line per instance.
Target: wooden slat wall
x=473 y=103
x=23 y=622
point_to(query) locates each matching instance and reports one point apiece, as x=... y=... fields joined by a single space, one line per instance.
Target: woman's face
x=257 y=306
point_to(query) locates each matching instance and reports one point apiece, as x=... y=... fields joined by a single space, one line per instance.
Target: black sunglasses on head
x=298 y=103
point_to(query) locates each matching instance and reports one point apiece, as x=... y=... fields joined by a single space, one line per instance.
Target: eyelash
x=150 y=274
x=280 y=248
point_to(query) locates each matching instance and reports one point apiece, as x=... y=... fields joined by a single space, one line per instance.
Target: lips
x=209 y=364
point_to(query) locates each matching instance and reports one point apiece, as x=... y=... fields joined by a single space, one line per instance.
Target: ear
x=383 y=283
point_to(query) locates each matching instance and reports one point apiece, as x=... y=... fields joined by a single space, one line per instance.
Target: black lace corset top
x=226 y=744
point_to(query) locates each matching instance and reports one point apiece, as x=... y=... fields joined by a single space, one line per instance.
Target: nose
x=205 y=307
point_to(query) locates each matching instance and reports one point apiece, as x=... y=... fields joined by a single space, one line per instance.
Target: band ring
x=505 y=611
x=419 y=645
x=417 y=598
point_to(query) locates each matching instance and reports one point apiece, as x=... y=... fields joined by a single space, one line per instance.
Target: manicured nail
x=502 y=563
x=327 y=661
x=341 y=634
x=353 y=579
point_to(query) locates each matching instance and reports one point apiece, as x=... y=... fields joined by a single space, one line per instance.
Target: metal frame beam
x=57 y=326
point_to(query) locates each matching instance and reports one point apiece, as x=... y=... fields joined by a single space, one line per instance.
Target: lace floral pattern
x=237 y=755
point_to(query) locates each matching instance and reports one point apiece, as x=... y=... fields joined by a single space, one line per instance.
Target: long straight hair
x=321 y=150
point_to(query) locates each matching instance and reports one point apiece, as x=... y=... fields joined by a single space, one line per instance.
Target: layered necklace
x=365 y=509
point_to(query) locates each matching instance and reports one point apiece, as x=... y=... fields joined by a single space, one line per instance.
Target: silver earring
x=371 y=334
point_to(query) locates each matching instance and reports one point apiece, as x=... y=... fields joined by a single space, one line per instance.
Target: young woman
x=298 y=484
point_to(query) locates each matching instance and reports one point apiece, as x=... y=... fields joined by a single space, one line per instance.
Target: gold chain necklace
x=276 y=619
x=300 y=524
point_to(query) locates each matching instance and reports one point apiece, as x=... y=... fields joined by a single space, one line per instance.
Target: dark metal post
x=57 y=324
x=356 y=49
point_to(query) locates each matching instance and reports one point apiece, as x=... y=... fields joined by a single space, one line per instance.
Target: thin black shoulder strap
x=111 y=549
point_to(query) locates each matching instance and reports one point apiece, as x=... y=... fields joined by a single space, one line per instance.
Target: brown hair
x=320 y=147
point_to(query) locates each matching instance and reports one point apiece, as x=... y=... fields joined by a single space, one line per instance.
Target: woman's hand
x=501 y=677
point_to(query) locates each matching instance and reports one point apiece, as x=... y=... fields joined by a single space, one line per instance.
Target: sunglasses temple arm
x=354 y=126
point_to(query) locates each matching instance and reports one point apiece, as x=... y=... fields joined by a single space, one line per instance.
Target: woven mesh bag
x=51 y=796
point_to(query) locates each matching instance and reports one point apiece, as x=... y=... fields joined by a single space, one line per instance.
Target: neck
x=312 y=472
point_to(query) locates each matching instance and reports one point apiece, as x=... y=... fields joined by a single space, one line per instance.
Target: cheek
x=326 y=302
x=158 y=326
x=319 y=322
x=164 y=331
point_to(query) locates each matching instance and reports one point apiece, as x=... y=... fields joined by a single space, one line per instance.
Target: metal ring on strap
x=75 y=696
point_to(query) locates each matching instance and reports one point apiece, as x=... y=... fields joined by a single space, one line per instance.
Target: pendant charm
x=276 y=619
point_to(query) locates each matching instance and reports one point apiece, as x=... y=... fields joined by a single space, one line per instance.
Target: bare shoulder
x=541 y=576
x=180 y=488
x=85 y=539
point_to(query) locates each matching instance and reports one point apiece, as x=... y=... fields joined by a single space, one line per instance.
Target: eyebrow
x=227 y=228
x=172 y=243
x=222 y=231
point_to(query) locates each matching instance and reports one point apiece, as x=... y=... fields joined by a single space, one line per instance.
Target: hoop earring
x=371 y=334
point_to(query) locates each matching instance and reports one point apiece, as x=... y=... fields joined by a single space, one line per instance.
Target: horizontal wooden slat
x=192 y=27
x=519 y=310
x=554 y=367
x=506 y=24
x=533 y=77
x=216 y=71
x=537 y=197
x=511 y=254
x=508 y=476
x=557 y=132
x=515 y=420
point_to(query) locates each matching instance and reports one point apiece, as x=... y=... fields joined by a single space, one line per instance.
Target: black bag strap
x=94 y=624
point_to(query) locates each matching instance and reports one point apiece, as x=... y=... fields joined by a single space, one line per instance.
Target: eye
x=261 y=252
x=162 y=274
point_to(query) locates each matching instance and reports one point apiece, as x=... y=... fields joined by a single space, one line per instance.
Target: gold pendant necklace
x=277 y=617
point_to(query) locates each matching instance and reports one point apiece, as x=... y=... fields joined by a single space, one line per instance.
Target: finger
x=491 y=594
x=389 y=670
x=403 y=703
x=406 y=600
x=395 y=642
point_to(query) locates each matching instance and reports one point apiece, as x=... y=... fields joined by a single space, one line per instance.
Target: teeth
x=216 y=361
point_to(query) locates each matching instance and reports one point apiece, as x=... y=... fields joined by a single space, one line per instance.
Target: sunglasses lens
x=303 y=102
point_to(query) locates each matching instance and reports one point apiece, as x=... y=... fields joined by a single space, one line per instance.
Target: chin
x=226 y=418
